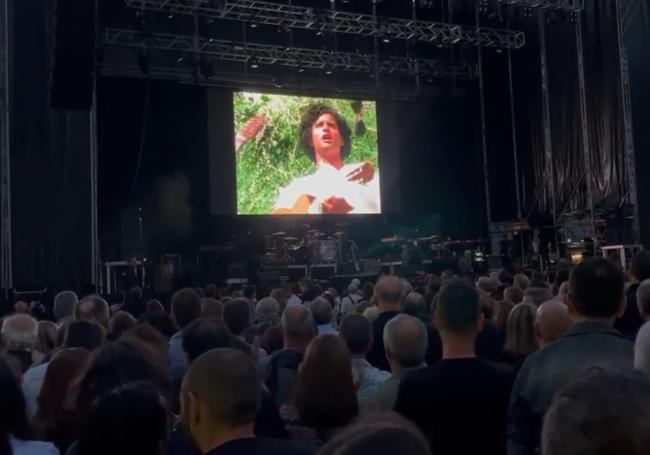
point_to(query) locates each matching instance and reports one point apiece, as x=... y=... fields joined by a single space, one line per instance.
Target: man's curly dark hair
x=309 y=117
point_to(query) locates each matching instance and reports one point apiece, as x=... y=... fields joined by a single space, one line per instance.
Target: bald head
x=389 y=290
x=551 y=322
x=413 y=304
x=21 y=307
x=64 y=304
x=221 y=389
x=92 y=308
x=298 y=325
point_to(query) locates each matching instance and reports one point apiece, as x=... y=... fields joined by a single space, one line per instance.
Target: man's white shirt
x=328 y=181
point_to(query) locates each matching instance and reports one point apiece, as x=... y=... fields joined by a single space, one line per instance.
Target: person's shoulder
x=420 y=377
x=22 y=447
x=176 y=338
x=280 y=446
x=378 y=375
x=496 y=369
x=383 y=317
x=35 y=373
x=285 y=357
x=266 y=446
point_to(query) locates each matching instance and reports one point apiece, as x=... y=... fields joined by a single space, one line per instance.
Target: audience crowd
x=526 y=363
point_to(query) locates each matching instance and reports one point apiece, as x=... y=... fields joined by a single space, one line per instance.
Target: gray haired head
x=405 y=340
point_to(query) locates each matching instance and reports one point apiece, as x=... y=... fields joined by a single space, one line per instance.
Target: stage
x=524 y=139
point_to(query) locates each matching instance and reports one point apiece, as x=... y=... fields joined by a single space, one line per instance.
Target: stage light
x=180 y=60
x=386 y=40
x=328 y=72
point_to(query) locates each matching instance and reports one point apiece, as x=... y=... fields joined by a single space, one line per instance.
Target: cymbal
x=290 y=239
x=278 y=234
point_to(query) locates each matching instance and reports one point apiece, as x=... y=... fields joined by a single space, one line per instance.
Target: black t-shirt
x=630 y=323
x=261 y=446
x=489 y=344
x=377 y=356
x=459 y=404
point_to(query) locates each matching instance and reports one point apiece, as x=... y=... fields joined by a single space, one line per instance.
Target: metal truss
x=262 y=54
x=241 y=80
x=6 y=275
x=299 y=17
x=567 y=5
x=626 y=96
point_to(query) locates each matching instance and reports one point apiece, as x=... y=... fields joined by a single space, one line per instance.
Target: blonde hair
x=520 y=331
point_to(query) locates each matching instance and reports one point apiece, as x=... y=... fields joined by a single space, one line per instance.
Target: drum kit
x=309 y=246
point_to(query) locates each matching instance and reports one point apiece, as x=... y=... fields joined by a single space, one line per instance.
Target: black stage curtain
x=49 y=165
x=604 y=113
x=604 y=117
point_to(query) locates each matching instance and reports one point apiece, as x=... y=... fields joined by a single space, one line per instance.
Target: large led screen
x=305 y=155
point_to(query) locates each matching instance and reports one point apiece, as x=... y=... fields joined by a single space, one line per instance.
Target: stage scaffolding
x=297 y=58
x=141 y=46
x=6 y=275
x=626 y=9
x=566 y=5
x=334 y=21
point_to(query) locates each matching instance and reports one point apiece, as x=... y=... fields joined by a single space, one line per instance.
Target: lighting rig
x=323 y=20
x=405 y=74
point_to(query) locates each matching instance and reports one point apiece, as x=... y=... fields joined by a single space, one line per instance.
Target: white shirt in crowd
x=294 y=300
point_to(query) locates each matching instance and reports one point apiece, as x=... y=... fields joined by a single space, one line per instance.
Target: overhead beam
x=263 y=54
x=243 y=80
x=566 y=5
x=299 y=17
